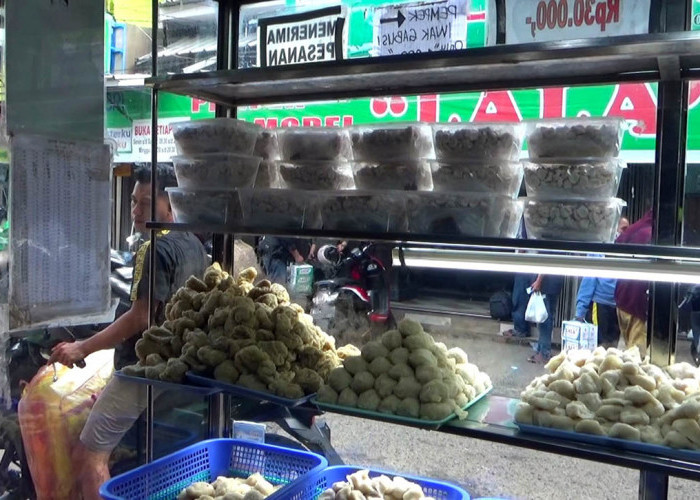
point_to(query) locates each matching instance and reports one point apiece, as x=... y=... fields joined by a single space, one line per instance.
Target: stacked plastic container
x=215 y=160
x=476 y=177
x=458 y=179
x=572 y=178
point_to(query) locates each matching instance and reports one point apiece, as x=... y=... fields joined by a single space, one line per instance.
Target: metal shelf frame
x=670 y=57
x=602 y=60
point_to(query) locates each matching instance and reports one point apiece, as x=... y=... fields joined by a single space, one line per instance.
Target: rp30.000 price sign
x=547 y=20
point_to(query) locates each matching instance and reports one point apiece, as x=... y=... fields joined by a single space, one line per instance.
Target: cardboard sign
x=418 y=27
x=315 y=36
x=550 y=20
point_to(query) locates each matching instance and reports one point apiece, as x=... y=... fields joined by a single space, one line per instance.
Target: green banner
x=635 y=102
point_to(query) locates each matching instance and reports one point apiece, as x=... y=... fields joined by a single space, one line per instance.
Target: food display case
x=571 y=212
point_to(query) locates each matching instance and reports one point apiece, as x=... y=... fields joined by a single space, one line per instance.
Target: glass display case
x=444 y=239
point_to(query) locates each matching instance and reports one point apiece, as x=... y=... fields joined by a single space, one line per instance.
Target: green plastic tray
x=397 y=418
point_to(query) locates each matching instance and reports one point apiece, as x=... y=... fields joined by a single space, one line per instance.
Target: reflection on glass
x=186 y=37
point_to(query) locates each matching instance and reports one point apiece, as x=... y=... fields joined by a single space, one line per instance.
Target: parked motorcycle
x=354 y=299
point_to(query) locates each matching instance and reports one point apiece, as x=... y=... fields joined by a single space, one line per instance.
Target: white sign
x=301 y=38
x=141 y=140
x=122 y=138
x=420 y=27
x=549 y=20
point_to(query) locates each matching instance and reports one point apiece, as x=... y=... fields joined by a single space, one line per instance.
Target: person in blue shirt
x=600 y=293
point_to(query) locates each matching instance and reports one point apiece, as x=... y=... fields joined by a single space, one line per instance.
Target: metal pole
x=152 y=262
x=669 y=182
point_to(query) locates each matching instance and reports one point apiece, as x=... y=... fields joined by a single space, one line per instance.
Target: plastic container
x=215 y=135
x=573 y=219
x=165 y=478
x=314 y=144
x=575 y=138
x=317 y=174
x=478 y=141
x=201 y=206
x=364 y=211
x=281 y=209
x=216 y=171
x=400 y=175
x=499 y=177
x=390 y=141
x=593 y=179
x=313 y=485
x=464 y=214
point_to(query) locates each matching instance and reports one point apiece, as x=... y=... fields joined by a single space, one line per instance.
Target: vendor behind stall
x=178 y=256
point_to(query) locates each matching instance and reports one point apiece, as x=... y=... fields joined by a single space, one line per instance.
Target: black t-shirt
x=178 y=256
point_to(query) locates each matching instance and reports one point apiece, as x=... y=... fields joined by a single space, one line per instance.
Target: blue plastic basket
x=313 y=485
x=165 y=478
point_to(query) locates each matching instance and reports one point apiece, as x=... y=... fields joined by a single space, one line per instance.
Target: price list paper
x=59 y=230
x=552 y=20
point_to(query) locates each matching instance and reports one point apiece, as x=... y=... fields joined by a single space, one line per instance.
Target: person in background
x=178 y=255
x=521 y=328
x=601 y=293
x=622 y=226
x=550 y=287
x=631 y=296
x=277 y=253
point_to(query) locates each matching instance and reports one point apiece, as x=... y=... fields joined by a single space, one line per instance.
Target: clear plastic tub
x=216 y=171
x=281 y=209
x=401 y=175
x=391 y=141
x=594 y=178
x=573 y=219
x=575 y=138
x=210 y=206
x=314 y=144
x=364 y=211
x=465 y=214
x=317 y=174
x=215 y=135
x=478 y=141
x=500 y=177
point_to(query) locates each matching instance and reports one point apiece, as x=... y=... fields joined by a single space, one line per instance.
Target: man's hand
x=537 y=285
x=68 y=353
x=580 y=319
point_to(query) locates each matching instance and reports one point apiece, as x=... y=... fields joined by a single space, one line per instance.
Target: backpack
x=501 y=306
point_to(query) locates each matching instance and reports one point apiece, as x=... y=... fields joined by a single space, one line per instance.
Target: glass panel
x=186 y=37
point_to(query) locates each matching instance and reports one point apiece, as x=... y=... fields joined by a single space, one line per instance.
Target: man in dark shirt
x=178 y=255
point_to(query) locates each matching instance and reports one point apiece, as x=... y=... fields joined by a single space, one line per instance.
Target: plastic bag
x=51 y=417
x=536 y=311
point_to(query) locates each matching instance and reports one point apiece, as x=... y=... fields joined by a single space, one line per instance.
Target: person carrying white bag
x=545 y=292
